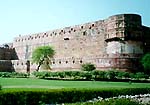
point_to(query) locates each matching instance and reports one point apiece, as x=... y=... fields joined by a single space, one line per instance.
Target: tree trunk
x=40 y=63
x=38 y=67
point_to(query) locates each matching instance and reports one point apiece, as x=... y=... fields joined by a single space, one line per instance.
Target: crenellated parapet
x=124 y=26
x=116 y=42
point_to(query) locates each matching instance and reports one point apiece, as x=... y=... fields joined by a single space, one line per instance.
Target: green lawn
x=31 y=83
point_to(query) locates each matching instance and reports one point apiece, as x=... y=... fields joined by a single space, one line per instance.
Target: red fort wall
x=116 y=42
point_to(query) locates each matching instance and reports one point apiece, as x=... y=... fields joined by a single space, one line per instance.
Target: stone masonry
x=117 y=42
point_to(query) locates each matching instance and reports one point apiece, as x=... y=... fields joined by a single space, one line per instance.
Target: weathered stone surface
x=116 y=42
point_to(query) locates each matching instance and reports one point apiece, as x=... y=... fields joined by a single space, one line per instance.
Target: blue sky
x=33 y=16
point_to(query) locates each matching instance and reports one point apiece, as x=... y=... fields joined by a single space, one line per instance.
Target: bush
x=63 y=95
x=88 y=67
x=5 y=74
x=146 y=63
x=98 y=75
x=111 y=75
x=109 y=102
x=141 y=75
x=122 y=75
x=13 y=75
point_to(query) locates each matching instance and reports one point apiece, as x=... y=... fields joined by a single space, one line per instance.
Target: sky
x=23 y=17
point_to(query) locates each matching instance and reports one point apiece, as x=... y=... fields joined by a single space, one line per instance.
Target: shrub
x=13 y=75
x=109 y=102
x=140 y=75
x=122 y=75
x=41 y=75
x=146 y=62
x=5 y=74
x=98 y=75
x=87 y=76
x=111 y=75
x=88 y=67
x=19 y=75
x=62 y=95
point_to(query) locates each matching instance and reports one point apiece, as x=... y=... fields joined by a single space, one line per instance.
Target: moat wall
x=116 y=42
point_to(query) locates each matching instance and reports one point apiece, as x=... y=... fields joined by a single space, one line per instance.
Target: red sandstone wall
x=116 y=42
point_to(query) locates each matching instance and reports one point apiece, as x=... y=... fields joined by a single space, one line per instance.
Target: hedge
x=62 y=95
x=13 y=75
x=110 y=102
x=112 y=75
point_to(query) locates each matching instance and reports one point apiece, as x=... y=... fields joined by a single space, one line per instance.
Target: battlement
x=110 y=43
x=59 y=32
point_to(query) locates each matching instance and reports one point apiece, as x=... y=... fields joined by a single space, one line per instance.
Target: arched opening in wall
x=53 y=62
x=73 y=62
x=66 y=62
x=84 y=33
x=59 y=62
x=81 y=61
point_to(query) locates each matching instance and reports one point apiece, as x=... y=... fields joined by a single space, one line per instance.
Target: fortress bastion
x=117 y=42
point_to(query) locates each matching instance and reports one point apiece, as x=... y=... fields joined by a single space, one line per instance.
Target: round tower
x=124 y=39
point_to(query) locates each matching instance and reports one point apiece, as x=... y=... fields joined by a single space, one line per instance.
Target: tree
x=41 y=55
x=146 y=62
x=88 y=67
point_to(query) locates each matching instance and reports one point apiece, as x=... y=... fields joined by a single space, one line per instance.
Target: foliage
x=13 y=75
x=88 y=67
x=139 y=75
x=122 y=75
x=54 y=96
x=109 y=102
x=42 y=55
x=99 y=75
x=146 y=62
x=112 y=75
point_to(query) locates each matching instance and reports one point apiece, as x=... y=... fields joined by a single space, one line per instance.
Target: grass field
x=40 y=84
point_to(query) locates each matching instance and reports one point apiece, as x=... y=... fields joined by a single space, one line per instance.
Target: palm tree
x=42 y=54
